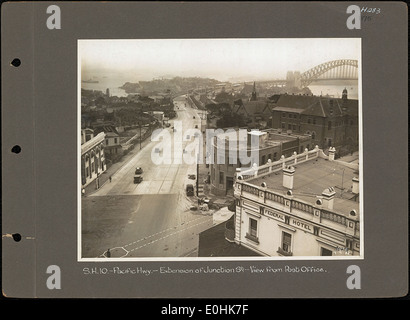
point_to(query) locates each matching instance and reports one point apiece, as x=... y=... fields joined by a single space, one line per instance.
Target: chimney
x=355 y=187
x=328 y=197
x=288 y=174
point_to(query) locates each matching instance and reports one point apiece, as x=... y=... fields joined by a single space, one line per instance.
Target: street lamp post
x=140 y=134
x=197 y=173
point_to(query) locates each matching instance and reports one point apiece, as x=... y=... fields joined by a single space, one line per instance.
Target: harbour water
x=106 y=82
x=333 y=89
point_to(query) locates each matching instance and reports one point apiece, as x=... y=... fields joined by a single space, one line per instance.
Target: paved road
x=150 y=219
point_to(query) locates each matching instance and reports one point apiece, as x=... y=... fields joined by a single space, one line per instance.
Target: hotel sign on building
x=293 y=222
x=288 y=220
x=275 y=215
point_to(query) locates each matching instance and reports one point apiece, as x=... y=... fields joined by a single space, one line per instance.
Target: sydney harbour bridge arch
x=344 y=69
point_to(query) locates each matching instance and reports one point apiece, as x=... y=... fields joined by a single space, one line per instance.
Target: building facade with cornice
x=303 y=205
x=93 y=161
x=271 y=146
x=330 y=121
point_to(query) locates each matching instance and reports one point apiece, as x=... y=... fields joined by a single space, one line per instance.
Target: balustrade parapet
x=269 y=196
x=274 y=166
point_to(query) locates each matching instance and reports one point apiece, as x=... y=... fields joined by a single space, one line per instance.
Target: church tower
x=344 y=94
x=344 y=99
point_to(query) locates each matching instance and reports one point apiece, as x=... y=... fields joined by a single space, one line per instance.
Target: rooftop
x=267 y=138
x=316 y=105
x=311 y=178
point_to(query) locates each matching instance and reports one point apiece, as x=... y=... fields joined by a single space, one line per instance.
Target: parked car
x=138 y=170
x=138 y=179
x=196 y=126
x=189 y=190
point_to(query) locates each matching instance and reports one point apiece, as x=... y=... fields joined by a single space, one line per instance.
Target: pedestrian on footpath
x=110 y=178
x=108 y=253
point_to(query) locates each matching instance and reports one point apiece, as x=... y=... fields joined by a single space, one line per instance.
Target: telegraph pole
x=197 y=173
x=140 y=134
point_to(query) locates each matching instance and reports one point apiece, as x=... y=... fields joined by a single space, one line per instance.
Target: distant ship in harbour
x=90 y=81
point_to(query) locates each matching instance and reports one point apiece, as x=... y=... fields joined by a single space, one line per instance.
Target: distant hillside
x=175 y=85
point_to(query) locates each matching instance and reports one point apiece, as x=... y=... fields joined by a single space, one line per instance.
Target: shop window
x=252 y=233
x=325 y=252
x=286 y=242
x=253 y=227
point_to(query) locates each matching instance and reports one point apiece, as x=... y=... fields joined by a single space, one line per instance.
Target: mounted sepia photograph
x=219 y=149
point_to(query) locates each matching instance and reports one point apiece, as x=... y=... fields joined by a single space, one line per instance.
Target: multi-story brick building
x=112 y=147
x=271 y=146
x=330 y=121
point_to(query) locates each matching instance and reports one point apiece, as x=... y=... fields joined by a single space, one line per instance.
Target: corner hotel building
x=303 y=205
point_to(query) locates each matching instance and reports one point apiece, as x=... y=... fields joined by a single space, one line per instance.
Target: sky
x=220 y=59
